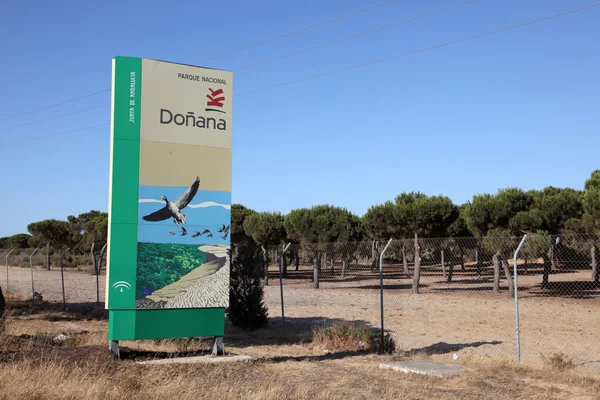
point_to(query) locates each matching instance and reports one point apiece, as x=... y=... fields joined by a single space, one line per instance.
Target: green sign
x=169 y=200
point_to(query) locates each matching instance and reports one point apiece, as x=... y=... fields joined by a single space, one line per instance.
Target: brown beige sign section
x=169 y=164
x=186 y=105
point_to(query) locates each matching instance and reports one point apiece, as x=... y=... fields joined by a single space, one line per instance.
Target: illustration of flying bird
x=205 y=232
x=224 y=237
x=210 y=235
x=196 y=234
x=224 y=229
x=172 y=233
x=183 y=231
x=172 y=209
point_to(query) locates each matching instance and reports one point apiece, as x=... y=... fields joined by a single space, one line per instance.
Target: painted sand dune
x=206 y=286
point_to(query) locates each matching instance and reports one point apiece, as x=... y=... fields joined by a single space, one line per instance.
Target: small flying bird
x=210 y=235
x=172 y=234
x=205 y=231
x=224 y=237
x=172 y=209
x=224 y=229
x=196 y=234
x=183 y=231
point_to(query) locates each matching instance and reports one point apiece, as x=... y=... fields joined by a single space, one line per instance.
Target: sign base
x=165 y=323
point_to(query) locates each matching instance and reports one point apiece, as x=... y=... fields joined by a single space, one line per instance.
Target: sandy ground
x=80 y=286
x=463 y=317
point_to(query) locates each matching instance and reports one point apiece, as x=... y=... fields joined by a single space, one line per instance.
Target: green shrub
x=246 y=305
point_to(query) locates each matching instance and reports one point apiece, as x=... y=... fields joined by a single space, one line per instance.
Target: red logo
x=215 y=99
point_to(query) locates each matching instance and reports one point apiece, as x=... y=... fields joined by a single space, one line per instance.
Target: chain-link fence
x=437 y=296
x=446 y=296
x=25 y=272
x=325 y=283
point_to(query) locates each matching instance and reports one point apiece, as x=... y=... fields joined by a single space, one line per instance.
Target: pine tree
x=246 y=305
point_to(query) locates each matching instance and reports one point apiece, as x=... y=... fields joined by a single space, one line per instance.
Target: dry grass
x=289 y=365
x=90 y=373
x=343 y=336
x=559 y=362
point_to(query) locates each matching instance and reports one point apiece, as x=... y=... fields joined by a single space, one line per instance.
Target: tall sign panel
x=169 y=200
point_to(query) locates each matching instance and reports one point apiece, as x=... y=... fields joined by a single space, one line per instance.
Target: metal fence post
x=517 y=298
x=381 y=287
x=11 y=250
x=31 y=269
x=62 y=276
x=280 y=262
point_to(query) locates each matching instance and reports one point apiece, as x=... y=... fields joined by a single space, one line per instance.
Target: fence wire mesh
x=441 y=296
x=324 y=284
x=447 y=296
x=79 y=277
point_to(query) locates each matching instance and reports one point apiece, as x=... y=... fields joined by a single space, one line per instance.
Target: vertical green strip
x=124 y=183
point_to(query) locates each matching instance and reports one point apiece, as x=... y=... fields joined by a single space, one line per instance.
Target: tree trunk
x=373 y=247
x=595 y=272
x=316 y=268
x=94 y=259
x=297 y=260
x=375 y=262
x=332 y=269
x=417 y=272
x=267 y=273
x=405 y=263
x=343 y=268
x=266 y=265
x=443 y=265
x=450 y=272
x=496 y=262
x=98 y=269
x=511 y=285
x=48 y=256
x=479 y=263
x=547 y=267
x=462 y=260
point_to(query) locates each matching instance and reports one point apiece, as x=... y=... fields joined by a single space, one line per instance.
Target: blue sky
x=199 y=218
x=519 y=108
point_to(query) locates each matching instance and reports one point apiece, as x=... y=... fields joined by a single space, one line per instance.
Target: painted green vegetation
x=161 y=264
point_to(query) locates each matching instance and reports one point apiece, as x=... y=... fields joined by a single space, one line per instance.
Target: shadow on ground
x=323 y=357
x=18 y=307
x=444 y=348
x=292 y=331
x=569 y=289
